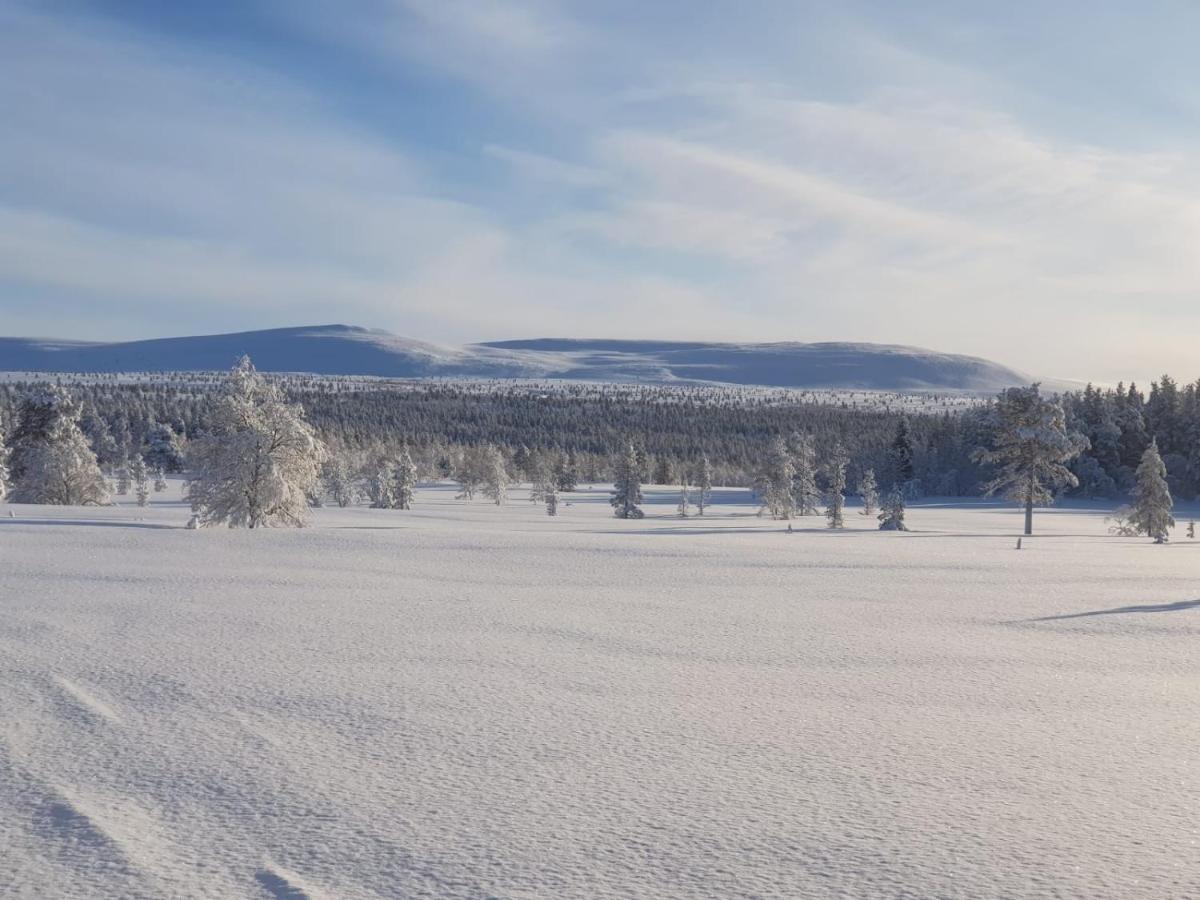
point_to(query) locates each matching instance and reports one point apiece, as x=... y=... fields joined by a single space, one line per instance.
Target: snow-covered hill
x=347 y=350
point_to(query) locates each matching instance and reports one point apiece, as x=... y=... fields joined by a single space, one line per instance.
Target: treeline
x=362 y=420
x=671 y=428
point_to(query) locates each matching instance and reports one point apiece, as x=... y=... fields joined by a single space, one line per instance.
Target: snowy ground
x=465 y=701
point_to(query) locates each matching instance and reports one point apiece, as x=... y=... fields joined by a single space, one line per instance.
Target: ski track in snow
x=465 y=701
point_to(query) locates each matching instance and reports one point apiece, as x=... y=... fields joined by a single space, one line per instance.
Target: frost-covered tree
x=775 y=480
x=685 y=499
x=52 y=461
x=259 y=460
x=703 y=485
x=891 y=516
x=3 y=465
x=1150 y=511
x=160 y=481
x=805 y=495
x=495 y=476
x=868 y=489
x=381 y=483
x=550 y=495
x=163 y=448
x=1031 y=445
x=337 y=481
x=404 y=480
x=627 y=486
x=470 y=472
x=835 y=508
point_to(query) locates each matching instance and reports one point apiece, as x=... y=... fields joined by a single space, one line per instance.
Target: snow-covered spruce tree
x=775 y=480
x=627 y=485
x=404 y=480
x=662 y=471
x=160 y=481
x=891 y=516
x=380 y=485
x=123 y=478
x=805 y=496
x=703 y=485
x=900 y=456
x=1150 y=511
x=495 y=476
x=139 y=476
x=836 y=506
x=550 y=495
x=51 y=460
x=567 y=472
x=685 y=499
x=163 y=448
x=1031 y=446
x=259 y=460
x=869 y=491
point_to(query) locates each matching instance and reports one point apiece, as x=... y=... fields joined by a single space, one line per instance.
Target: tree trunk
x=1029 y=514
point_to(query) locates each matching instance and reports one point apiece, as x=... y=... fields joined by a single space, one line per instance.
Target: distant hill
x=347 y=350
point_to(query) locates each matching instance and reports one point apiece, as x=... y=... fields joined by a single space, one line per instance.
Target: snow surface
x=471 y=701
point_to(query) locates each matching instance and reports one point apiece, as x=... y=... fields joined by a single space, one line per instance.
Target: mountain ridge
x=353 y=350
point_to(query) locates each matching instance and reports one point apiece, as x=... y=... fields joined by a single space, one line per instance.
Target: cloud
x=638 y=173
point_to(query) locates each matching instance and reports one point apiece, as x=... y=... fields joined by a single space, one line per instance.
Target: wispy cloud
x=640 y=172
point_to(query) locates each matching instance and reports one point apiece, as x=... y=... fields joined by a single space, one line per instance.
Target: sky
x=1017 y=181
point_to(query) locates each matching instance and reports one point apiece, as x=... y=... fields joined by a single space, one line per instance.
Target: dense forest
x=672 y=427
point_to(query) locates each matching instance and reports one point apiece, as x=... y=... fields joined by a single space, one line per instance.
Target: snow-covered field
x=466 y=701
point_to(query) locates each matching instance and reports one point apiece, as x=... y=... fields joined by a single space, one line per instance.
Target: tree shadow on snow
x=1121 y=610
x=103 y=523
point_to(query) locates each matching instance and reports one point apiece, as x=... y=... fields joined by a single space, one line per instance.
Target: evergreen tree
x=160 y=481
x=123 y=478
x=550 y=494
x=805 y=495
x=1150 y=511
x=567 y=472
x=703 y=485
x=404 y=480
x=259 y=461
x=1031 y=445
x=869 y=491
x=891 y=516
x=627 y=486
x=51 y=460
x=163 y=449
x=662 y=471
x=139 y=475
x=900 y=455
x=775 y=480
x=834 y=511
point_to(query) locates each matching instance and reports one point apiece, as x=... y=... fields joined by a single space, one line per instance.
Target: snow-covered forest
x=536 y=425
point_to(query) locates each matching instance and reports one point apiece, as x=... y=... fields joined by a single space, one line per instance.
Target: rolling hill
x=348 y=350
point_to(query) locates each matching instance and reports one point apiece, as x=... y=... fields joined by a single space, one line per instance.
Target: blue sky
x=999 y=179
